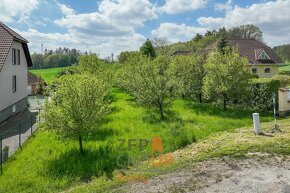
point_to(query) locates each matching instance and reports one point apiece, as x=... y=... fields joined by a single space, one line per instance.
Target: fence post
x=31 y=123
x=1 y=155
x=39 y=115
x=20 y=136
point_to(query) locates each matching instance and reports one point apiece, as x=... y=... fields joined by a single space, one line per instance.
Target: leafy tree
x=283 y=51
x=222 y=44
x=284 y=80
x=161 y=45
x=149 y=81
x=189 y=72
x=125 y=56
x=197 y=38
x=78 y=105
x=227 y=76
x=148 y=49
x=246 y=32
x=40 y=86
x=90 y=64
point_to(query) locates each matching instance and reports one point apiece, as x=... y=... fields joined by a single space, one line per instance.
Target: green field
x=285 y=68
x=47 y=164
x=48 y=74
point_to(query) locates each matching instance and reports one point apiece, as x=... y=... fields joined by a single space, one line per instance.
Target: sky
x=113 y=26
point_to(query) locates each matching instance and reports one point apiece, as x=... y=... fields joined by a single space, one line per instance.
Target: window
x=264 y=56
x=254 y=70
x=13 y=83
x=18 y=57
x=267 y=70
x=13 y=56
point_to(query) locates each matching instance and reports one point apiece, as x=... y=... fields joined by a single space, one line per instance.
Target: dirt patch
x=255 y=175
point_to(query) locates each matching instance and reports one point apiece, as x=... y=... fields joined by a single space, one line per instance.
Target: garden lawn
x=48 y=75
x=47 y=164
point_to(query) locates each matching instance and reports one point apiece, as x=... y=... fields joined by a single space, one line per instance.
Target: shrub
x=261 y=90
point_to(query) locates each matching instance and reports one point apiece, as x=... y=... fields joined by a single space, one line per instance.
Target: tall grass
x=47 y=164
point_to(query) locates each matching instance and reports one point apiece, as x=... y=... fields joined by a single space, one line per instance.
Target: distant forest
x=61 y=57
x=284 y=52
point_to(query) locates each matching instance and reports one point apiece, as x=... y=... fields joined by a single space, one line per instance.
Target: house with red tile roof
x=14 y=61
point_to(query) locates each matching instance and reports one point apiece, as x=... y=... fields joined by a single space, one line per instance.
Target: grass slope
x=47 y=164
x=238 y=144
x=285 y=68
x=48 y=75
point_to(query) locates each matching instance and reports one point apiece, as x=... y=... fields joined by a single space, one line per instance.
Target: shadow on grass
x=101 y=134
x=153 y=117
x=215 y=110
x=94 y=163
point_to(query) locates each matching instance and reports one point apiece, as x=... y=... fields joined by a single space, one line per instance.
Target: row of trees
x=61 y=57
x=224 y=76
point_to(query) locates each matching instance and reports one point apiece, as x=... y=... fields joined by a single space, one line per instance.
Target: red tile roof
x=7 y=36
x=33 y=79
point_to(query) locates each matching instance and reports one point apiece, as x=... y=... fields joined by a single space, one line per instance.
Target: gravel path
x=253 y=175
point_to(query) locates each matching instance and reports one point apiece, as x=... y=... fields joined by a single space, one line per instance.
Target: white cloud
x=177 y=6
x=175 y=32
x=272 y=17
x=103 y=46
x=11 y=10
x=65 y=9
x=223 y=6
x=111 y=29
x=113 y=18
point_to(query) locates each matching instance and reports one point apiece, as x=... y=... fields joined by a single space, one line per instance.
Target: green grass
x=285 y=68
x=48 y=75
x=47 y=164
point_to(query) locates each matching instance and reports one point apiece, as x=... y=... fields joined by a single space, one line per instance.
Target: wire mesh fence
x=15 y=132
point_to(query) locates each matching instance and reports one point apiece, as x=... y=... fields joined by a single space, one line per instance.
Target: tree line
x=197 y=44
x=284 y=52
x=60 y=57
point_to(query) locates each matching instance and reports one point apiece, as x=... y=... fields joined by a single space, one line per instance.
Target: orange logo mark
x=158 y=150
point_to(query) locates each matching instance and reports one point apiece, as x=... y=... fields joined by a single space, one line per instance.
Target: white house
x=14 y=60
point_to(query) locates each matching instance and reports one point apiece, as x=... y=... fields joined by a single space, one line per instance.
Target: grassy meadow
x=285 y=68
x=47 y=164
x=48 y=74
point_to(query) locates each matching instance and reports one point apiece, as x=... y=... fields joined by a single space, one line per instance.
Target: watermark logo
x=158 y=159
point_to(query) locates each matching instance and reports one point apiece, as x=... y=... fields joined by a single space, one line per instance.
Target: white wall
x=7 y=97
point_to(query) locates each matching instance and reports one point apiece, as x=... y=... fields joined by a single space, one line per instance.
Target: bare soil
x=259 y=173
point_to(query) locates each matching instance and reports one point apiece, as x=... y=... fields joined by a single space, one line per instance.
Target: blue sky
x=112 y=26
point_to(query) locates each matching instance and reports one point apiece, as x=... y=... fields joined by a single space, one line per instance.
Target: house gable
x=7 y=37
x=255 y=51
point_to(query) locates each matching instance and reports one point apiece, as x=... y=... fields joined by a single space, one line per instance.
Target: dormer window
x=264 y=56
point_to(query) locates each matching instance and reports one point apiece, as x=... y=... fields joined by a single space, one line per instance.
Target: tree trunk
x=161 y=112
x=225 y=102
x=81 y=145
x=200 y=98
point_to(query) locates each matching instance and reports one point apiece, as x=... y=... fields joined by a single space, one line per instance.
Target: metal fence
x=15 y=132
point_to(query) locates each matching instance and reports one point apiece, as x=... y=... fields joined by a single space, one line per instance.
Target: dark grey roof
x=251 y=49
x=7 y=36
x=182 y=53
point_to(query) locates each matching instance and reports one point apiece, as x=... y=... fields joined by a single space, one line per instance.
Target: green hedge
x=260 y=93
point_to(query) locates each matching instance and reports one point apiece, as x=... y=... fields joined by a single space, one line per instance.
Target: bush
x=261 y=90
